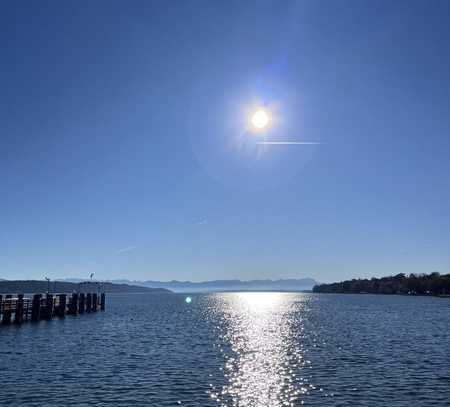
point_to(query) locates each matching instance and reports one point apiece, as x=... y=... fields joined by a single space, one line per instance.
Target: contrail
x=126 y=249
x=289 y=142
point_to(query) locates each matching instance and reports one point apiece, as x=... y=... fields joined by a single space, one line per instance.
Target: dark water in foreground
x=237 y=349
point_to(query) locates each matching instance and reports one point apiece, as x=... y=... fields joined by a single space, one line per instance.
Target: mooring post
x=75 y=297
x=81 y=306
x=36 y=307
x=6 y=320
x=48 y=306
x=1 y=304
x=88 y=302
x=94 y=302
x=73 y=307
x=26 y=309
x=18 y=316
x=61 y=310
x=102 y=301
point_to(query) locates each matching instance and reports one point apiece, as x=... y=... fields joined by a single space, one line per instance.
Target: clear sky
x=124 y=147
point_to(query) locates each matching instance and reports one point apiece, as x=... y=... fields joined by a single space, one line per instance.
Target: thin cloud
x=126 y=249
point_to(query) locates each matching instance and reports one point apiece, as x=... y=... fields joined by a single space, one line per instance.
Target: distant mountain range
x=303 y=284
x=38 y=286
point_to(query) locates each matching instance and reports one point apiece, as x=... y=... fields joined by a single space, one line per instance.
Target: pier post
x=6 y=320
x=94 y=302
x=88 y=302
x=1 y=303
x=61 y=310
x=48 y=313
x=82 y=303
x=102 y=301
x=36 y=307
x=26 y=309
x=18 y=316
x=75 y=297
x=73 y=307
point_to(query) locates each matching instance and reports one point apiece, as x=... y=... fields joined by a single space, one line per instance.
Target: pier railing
x=18 y=308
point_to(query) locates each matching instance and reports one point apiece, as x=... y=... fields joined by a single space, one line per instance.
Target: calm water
x=237 y=349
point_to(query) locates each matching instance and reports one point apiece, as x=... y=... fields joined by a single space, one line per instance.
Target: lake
x=234 y=349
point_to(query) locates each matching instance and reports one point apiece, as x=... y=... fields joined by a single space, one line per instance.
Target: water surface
x=234 y=349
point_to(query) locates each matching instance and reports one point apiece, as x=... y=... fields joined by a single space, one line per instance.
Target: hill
x=302 y=284
x=38 y=286
x=414 y=284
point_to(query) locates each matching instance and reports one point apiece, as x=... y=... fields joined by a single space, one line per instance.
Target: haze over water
x=235 y=349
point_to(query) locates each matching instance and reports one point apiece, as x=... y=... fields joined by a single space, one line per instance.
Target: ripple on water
x=262 y=353
x=236 y=349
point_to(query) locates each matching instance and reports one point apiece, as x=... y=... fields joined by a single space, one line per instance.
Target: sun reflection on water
x=263 y=356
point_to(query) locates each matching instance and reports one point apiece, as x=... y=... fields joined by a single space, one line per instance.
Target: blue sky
x=124 y=147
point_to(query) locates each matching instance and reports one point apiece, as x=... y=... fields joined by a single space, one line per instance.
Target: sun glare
x=260 y=119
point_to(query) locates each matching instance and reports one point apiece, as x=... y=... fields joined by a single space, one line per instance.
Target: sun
x=260 y=119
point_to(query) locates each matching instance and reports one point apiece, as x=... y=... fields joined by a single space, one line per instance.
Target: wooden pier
x=16 y=309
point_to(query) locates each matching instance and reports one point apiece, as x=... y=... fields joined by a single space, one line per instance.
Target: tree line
x=412 y=284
